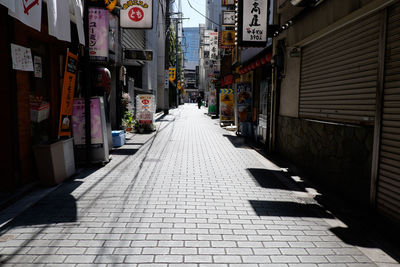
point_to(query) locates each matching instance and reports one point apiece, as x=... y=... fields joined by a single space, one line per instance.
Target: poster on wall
x=244 y=102
x=68 y=90
x=136 y=14
x=78 y=122
x=212 y=101
x=226 y=105
x=145 y=108
x=253 y=23
x=21 y=58
x=98 y=33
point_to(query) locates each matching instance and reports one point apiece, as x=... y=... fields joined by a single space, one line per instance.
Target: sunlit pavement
x=189 y=194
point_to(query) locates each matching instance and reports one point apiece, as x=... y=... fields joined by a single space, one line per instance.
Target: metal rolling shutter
x=132 y=38
x=339 y=74
x=388 y=189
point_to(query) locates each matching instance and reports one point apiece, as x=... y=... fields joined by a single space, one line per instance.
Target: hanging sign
x=228 y=2
x=28 y=12
x=253 y=23
x=228 y=18
x=172 y=74
x=98 y=33
x=67 y=96
x=21 y=58
x=10 y=4
x=227 y=39
x=136 y=14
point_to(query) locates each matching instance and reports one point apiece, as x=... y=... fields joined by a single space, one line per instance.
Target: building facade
x=337 y=87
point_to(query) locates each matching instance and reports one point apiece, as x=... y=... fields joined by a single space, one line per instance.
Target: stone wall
x=335 y=156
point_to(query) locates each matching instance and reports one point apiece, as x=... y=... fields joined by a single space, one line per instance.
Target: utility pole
x=176 y=62
x=177 y=21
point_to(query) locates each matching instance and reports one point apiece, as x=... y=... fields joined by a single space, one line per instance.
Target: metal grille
x=339 y=74
x=132 y=38
x=388 y=189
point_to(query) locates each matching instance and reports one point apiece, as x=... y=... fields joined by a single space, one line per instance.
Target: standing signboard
x=98 y=33
x=136 y=14
x=145 y=108
x=244 y=102
x=226 y=105
x=253 y=16
x=212 y=101
x=99 y=149
x=67 y=96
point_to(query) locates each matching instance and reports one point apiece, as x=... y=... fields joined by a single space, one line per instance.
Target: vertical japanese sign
x=253 y=22
x=98 y=33
x=144 y=108
x=226 y=105
x=136 y=14
x=67 y=96
x=213 y=44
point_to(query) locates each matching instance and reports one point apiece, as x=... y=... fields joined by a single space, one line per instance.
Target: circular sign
x=136 y=14
x=145 y=101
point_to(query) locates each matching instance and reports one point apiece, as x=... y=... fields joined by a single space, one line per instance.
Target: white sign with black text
x=136 y=14
x=254 y=21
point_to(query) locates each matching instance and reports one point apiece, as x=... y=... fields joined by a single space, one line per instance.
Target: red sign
x=136 y=14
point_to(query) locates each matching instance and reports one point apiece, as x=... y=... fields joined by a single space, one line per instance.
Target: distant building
x=190 y=47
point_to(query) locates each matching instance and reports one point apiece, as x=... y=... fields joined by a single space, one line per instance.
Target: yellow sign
x=179 y=85
x=228 y=38
x=172 y=74
x=110 y=4
x=67 y=96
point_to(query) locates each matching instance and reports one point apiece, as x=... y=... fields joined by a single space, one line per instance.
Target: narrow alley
x=189 y=194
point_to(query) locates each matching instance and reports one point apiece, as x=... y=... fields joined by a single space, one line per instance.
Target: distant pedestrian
x=199 y=101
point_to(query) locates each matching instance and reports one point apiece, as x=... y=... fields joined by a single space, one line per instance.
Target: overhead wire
x=203 y=14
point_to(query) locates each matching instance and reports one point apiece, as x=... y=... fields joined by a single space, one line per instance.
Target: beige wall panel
x=290 y=86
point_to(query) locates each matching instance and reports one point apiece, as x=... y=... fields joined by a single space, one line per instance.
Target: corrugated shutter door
x=132 y=38
x=388 y=190
x=339 y=74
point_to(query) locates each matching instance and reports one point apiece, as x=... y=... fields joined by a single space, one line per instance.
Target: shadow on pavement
x=236 y=140
x=273 y=180
x=288 y=209
x=125 y=151
x=57 y=207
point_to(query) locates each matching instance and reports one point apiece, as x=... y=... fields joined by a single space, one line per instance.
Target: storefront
x=34 y=68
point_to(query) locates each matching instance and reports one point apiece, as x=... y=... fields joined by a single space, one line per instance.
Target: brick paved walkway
x=189 y=194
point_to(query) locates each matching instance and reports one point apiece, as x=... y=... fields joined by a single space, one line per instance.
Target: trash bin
x=55 y=161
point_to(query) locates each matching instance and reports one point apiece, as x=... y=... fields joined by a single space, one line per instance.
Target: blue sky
x=188 y=12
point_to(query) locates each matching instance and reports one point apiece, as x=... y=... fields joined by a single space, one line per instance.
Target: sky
x=194 y=17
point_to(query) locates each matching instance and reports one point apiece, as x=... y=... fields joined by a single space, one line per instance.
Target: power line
x=202 y=14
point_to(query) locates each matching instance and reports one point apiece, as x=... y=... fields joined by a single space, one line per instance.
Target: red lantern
x=268 y=57
x=263 y=61
x=253 y=65
x=258 y=63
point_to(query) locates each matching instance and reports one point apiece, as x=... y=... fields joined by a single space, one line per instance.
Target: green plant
x=128 y=120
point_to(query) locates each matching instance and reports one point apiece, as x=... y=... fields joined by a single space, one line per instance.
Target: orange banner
x=68 y=89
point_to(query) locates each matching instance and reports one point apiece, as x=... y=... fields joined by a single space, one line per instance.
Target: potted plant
x=128 y=121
